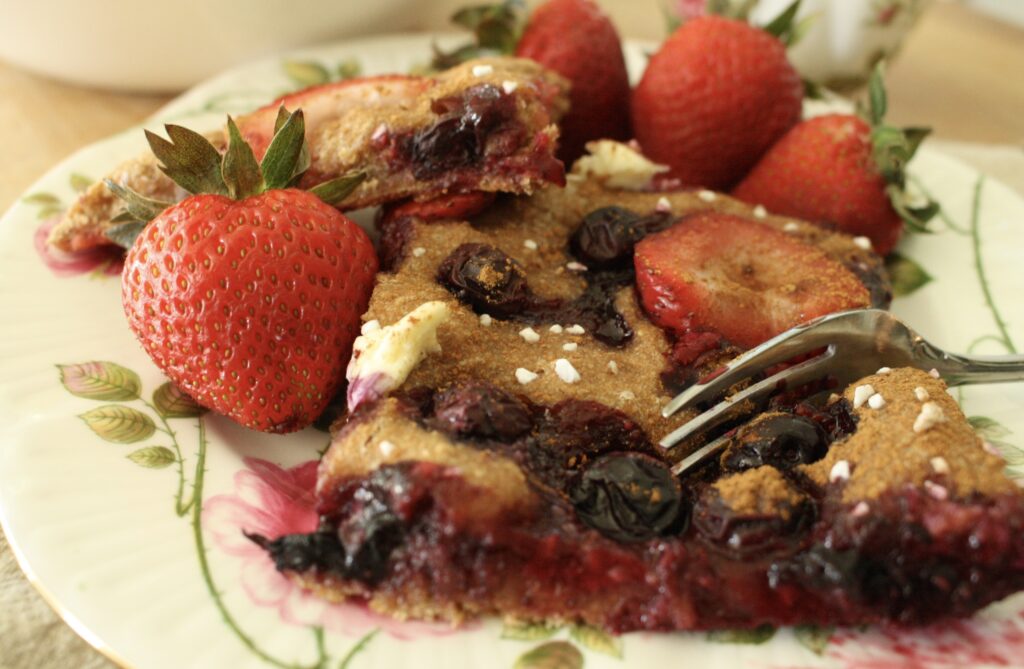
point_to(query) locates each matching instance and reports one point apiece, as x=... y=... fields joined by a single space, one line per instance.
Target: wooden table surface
x=959 y=72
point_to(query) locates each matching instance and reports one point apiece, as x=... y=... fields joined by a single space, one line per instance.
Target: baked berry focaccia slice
x=486 y=125
x=471 y=500
x=499 y=458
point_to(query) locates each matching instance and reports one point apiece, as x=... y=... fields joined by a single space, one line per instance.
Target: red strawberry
x=742 y=279
x=456 y=206
x=841 y=170
x=716 y=95
x=249 y=305
x=577 y=40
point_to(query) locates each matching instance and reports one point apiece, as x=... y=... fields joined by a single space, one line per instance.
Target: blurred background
x=73 y=72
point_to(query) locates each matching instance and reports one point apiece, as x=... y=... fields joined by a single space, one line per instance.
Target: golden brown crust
x=346 y=142
x=90 y=214
x=387 y=436
x=545 y=221
x=470 y=350
x=886 y=452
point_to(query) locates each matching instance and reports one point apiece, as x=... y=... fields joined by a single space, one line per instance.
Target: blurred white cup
x=845 y=38
x=144 y=45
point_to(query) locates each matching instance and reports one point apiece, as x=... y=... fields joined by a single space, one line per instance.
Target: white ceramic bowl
x=143 y=45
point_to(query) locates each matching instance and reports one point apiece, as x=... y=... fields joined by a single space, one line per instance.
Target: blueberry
x=485 y=278
x=627 y=497
x=370 y=529
x=478 y=409
x=780 y=440
x=302 y=552
x=746 y=533
x=467 y=128
x=605 y=237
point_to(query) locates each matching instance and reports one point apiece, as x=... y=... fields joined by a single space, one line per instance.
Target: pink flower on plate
x=977 y=641
x=272 y=501
x=991 y=640
x=106 y=260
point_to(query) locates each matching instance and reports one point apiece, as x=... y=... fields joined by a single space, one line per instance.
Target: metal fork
x=856 y=344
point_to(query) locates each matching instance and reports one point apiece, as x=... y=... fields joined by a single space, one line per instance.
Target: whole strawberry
x=248 y=296
x=714 y=97
x=842 y=170
x=577 y=40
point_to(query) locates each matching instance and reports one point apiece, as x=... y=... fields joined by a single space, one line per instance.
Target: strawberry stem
x=196 y=165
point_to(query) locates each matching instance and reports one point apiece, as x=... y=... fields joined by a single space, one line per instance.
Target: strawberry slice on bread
x=740 y=278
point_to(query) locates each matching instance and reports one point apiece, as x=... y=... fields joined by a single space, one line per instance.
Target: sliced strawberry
x=742 y=279
x=458 y=206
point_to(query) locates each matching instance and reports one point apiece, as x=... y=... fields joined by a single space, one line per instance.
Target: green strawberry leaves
x=195 y=164
x=189 y=159
x=284 y=155
x=336 y=190
x=496 y=31
x=892 y=150
x=878 y=99
x=239 y=169
x=138 y=207
x=905 y=274
x=786 y=28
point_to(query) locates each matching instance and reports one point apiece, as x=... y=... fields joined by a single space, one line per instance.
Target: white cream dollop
x=618 y=165
x=383 y=357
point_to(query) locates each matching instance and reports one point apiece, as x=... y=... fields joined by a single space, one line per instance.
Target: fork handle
x=964 y=370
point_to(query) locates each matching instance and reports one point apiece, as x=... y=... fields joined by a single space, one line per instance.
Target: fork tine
x=780 y=348
x=700 y=455
x=731 y=407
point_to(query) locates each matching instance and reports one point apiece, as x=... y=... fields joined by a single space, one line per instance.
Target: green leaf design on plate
x=172 y=402
x=119 y=424
x=907 y=276
x=813 y=637
x=41 y=198
x=551 y=655
x=597 y=640
x=988 y=428
x=154 y=457
x=347 y=69
x=100 y=380
x=79 y=182
x=757 y=635
x=523 y=631
x=306 y=73
x=1014 y=456
x=48 y=211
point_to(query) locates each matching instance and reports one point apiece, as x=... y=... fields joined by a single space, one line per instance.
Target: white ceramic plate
x=96 y=486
